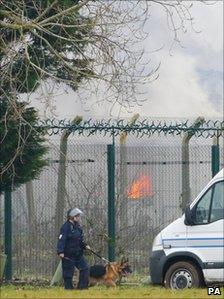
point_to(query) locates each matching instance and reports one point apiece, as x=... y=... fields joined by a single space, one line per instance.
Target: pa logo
x=214 y=291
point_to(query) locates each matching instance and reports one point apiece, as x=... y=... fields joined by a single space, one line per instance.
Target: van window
x=202 y=209
x=211 y=206
x=217 y=211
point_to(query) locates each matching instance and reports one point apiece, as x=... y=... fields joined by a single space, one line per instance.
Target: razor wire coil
x=139 y=129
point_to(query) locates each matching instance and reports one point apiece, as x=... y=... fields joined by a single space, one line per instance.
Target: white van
x=189 y=252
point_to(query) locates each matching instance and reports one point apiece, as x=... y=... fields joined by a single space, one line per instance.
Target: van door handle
x=167 y=246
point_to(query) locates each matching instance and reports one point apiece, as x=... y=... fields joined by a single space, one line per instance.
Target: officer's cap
x=74 y=212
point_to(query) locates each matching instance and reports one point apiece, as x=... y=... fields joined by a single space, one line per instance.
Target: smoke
x=177 y=92
x=184 y=88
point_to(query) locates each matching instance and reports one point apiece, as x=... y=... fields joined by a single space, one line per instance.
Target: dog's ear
x=122 y=260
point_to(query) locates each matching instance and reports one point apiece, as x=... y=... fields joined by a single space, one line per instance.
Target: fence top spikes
x=112 y=127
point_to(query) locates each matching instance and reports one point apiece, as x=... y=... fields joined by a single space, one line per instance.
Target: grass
x=124 y=291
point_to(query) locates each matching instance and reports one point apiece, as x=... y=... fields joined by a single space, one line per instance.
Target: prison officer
x=70 y=249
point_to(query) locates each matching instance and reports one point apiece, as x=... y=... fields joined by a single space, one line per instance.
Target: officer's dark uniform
x=71 y=243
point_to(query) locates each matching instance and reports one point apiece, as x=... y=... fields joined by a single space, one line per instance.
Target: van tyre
x=182 y=275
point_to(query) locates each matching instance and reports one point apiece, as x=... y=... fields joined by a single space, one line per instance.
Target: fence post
x=185 y=172
x=61 y=190
x=111 y=200
x=8 y=234
x=122 y=181
x=215 y=157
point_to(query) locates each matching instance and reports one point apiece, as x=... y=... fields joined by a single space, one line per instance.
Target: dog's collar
x=124 y=273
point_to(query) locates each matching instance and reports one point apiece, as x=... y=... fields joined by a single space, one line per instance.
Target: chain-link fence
x=148 y=197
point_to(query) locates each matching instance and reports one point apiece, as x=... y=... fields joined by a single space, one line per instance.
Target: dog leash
x=99 y=256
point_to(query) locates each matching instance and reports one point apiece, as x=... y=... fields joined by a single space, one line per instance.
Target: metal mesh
x=153 y=190
x=86 y=186
x=148 y=197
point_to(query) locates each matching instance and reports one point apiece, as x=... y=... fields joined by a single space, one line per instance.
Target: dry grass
x=131 y=291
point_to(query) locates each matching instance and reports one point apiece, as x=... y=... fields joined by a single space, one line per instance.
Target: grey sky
x=191 y=77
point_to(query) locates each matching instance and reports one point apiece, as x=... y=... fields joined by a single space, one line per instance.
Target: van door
x=206 y=237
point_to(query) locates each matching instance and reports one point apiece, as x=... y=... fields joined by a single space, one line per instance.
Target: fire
x=141 y=188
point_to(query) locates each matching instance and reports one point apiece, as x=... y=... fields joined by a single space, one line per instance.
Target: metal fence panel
x=148 y=197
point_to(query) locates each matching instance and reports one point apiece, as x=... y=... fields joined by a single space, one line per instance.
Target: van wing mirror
x=188 y=216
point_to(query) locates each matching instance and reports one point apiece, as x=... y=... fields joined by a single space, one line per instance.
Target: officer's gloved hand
x=61 y=255
x=88 y=247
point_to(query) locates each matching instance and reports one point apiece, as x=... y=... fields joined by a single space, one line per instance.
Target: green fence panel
x=215 y=159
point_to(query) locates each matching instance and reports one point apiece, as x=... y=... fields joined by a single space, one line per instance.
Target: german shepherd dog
x=110 y=274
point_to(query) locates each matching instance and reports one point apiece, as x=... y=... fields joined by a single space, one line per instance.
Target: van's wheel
x=182 y=275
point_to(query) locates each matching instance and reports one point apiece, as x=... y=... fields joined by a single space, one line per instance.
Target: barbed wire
x=143 y=128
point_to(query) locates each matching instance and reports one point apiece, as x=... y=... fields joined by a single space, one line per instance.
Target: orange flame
x=141 y=188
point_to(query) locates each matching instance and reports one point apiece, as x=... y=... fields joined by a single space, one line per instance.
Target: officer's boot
x=68 y=284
